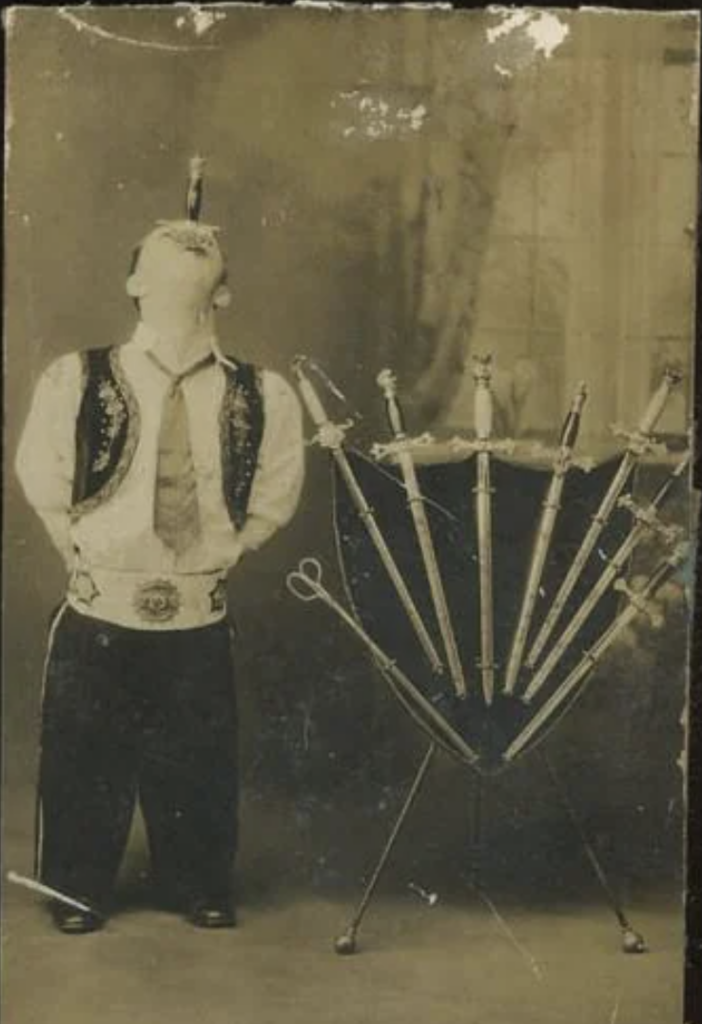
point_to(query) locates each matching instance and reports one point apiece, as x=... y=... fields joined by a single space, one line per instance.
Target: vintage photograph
x=349 y=515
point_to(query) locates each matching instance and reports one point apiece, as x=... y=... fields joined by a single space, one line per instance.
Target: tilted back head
x=181 y=259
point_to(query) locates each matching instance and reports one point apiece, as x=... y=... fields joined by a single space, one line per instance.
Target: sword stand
x=476 y=840
x=632 y=941
x=579 y=586
x=346 y=944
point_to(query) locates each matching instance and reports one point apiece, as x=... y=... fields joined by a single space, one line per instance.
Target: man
x=154 y=465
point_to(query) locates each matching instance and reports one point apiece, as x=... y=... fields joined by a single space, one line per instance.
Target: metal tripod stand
x=346 y=943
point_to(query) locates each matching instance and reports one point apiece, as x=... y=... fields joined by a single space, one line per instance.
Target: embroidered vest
x=108 y=425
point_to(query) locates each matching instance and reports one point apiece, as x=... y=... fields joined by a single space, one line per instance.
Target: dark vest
x=107 y=432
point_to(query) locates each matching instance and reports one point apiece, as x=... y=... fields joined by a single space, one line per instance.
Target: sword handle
x=654 y=410
x=387 y=382
x=305 y=583
x=193 y=201
x=571 y=426
x=309 y=394
x=483 y=406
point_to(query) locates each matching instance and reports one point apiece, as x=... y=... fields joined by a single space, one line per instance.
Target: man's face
x=181 y=261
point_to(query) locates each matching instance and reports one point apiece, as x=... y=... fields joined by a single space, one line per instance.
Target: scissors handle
x=306 y=581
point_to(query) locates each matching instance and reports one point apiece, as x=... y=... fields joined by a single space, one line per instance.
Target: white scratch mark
x=615 y=1011
x=431 y=898
x=377 y=117
x=505 y=72
x=504 y=927
x=202 y=20
x=545 y=30
x=113 y=37
x=330 y=5
x=516 y=19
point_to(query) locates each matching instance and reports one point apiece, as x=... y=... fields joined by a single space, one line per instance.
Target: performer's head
x=179 y=264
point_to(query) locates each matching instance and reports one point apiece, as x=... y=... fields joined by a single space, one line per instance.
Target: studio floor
x=466 y=958
x=439 y=964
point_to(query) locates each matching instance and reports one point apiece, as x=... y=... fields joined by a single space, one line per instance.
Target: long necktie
x=176 y=507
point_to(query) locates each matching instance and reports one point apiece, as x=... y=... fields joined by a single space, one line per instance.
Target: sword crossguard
x=391 y=449
x=332 y=435
x=461 y=446
x=564 y=460
x=639 y=443
x=560 y=459
x=640 y=602
x=650 y=518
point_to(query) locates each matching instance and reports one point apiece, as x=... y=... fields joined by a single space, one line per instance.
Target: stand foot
x=345 y=945
x=633 y=942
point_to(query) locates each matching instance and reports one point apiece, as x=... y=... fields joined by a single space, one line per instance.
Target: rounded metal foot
x=633 y=942
x=345 y=945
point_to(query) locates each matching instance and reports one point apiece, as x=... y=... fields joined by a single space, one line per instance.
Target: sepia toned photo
x=349 y=522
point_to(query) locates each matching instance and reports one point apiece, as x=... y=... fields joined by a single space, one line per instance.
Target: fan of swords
x=532 y=660
x=543 y=670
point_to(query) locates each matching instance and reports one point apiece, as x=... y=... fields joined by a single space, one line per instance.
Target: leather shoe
x=72 y=921
x=206 y=913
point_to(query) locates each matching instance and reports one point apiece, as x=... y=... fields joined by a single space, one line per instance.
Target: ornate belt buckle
x=157 y=601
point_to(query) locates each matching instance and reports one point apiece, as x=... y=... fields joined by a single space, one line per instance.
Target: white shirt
x=119 y=534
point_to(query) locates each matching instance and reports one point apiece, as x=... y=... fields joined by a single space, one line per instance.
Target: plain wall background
x=544 y=216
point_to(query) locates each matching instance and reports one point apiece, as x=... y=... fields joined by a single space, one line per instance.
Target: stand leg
x=346 y=943
x=632 y=941
x=477 y=832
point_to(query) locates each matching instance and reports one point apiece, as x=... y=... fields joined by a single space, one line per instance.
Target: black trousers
x=133 y=714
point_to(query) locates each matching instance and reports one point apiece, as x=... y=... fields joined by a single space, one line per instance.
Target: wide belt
x=154 y=601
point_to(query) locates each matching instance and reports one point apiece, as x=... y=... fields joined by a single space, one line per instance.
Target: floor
x=443 y=964
x=463 y=958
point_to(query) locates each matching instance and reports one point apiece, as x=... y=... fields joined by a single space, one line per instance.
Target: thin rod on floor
x=346 y=943
x=632 y=941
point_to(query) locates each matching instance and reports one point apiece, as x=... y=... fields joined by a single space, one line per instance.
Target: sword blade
x=368 y=518
x=412 y=698
x=431 y=568
x=549 y=515
x=609 y=575
x=543 y=543
x=484 y=522
x=613 y=570
x=599 y=521
x=660 y=575
x=320 y=419
x=415 y=500
x=639 y=441
x=46 y=890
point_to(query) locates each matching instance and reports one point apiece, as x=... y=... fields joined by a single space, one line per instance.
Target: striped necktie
x=176 y=507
